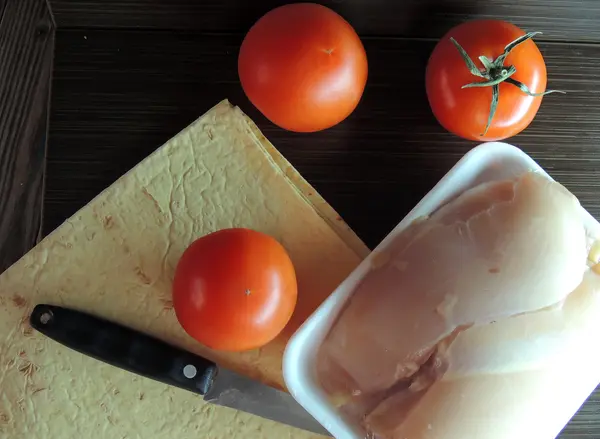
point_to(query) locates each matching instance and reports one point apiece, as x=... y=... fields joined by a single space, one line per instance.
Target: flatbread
x=116 y=259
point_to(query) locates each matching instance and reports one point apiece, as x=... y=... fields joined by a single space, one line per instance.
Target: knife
x=147 y=356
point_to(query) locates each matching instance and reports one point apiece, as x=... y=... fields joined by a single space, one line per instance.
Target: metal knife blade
x=236 y=391
x=144 y=355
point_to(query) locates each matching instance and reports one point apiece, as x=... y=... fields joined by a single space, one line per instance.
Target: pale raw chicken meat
x=501 y=249
x=547 y=341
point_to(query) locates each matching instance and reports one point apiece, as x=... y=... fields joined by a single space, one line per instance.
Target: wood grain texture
x=566 y=20
x=119 y=95
x=585 y=425
x=26 y=49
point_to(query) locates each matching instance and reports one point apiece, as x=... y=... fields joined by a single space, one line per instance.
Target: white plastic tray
x=486 y=162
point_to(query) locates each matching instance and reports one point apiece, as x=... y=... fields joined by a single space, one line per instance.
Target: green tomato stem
x=495 y=73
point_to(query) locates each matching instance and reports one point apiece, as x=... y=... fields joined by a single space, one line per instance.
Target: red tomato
x=234 y=289
x=465 y=111
x=303 y=66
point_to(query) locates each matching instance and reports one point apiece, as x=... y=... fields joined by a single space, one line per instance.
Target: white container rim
x=486 y=162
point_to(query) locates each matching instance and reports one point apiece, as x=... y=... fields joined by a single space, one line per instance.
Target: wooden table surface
x=128 y=75
x=26 y=51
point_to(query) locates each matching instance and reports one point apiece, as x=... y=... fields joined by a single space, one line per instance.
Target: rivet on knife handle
x=124 y=347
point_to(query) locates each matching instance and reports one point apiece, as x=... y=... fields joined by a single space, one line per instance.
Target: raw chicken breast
x=499 y=250
x=522 y=350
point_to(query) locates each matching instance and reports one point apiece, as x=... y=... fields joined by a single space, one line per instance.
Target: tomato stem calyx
x=495 y=72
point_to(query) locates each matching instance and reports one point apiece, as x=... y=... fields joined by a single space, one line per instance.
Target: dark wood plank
x=115 y=102
x=570 y=20
x=586 y=424
x=26 y=49
x=120 y=94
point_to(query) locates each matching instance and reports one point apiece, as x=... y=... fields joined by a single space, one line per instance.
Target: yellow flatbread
x=116 y=258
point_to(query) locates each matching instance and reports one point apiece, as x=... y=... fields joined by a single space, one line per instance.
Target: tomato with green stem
x=511 y=80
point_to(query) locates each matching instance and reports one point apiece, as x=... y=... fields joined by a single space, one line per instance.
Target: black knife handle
x=124 y=347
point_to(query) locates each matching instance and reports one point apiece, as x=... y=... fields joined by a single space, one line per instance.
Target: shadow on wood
x=403 y=136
